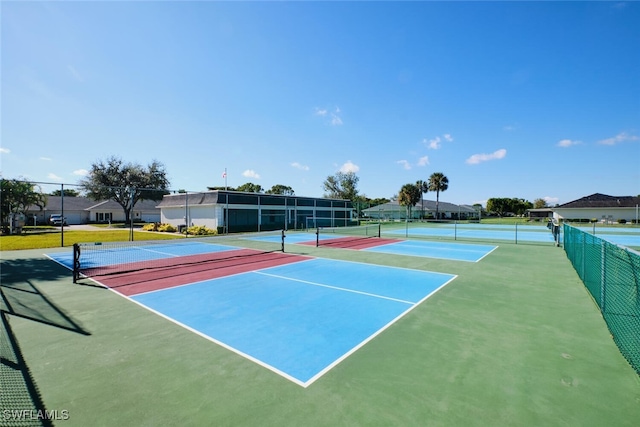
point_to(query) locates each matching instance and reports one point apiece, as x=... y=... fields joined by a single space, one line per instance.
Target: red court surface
x=167 y=273
x=354 y=242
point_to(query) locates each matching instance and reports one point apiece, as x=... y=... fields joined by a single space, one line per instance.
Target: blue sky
x=507 y=99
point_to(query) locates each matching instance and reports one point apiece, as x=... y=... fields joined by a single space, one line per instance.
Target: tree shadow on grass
x=20 y=400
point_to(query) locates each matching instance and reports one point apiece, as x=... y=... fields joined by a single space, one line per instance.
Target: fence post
x=603 y=275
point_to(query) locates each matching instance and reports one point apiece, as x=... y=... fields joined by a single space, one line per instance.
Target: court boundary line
x=220 y=343
x=432 y=257
x=303 y=384
x=216 y=278
x=375 y=334
x=333 y=287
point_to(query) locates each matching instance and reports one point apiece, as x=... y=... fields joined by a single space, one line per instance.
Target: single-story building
x=75 y=210
x=235 y=211
x=82 y=210
x=599 y=207
x=110 y=211
x=540 y=213
x=394 y=211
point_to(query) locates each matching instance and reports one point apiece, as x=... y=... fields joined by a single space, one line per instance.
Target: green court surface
x=514 y=340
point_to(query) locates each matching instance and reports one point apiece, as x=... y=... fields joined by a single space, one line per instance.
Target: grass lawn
x=55 y=239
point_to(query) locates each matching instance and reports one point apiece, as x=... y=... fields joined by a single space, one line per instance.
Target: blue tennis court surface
x=522 y=233
x=138 y=253
x=301 y=319
x=442 y=250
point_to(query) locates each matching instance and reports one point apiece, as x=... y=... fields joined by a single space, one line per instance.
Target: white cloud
x=54 y=177
x=509 y=128
x=334 y=116
x=249 y=173
x=436 y=143
x=300 y=166
x=621 y=137
x=405 y=164
x=432 y=144
x=423 y=161
x=4 y=150
x=81 y=172
x=551 y=201
x=46 y=159
x=349 y=167
x=479 y=158
x=567 y=143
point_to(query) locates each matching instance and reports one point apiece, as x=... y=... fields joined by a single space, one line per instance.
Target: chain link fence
x=611 y=274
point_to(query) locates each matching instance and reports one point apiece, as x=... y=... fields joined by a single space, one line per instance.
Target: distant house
x=601 y=207
x=81 y=210
x=395 y=211
x=74 y=210
x=539 y=213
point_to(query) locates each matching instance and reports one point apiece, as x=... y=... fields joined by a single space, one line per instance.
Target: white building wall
x=203 y=216
x=613 y=214
x=173 y=216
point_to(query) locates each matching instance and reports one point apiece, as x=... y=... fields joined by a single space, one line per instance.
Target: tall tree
x=498 y=205
x=126 y=183
x=409 y=196
x=250 y=187
x=67 y=193
x=342 y=185
x=423 y=186
x=438 y=182
x=17 y=195
x=281 y=189
x=540 y=204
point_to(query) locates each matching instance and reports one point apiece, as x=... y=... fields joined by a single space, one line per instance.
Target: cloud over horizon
x=479 y=158
x=250 y=173
x=349 y=166
x=621 y=137
x=567 y=143
x=300 y=166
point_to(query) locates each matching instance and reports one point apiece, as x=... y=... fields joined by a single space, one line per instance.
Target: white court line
x=372 y=336
x=333 y=287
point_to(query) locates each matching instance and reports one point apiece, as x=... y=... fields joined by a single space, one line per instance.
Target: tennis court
x=367 y=238
x=330 y=337
x=490 y=232
x=297 y=316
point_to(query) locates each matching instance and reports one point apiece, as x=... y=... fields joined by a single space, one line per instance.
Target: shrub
x=622 y=221
x=150 y=227
x=167 y=228
x=200 y=230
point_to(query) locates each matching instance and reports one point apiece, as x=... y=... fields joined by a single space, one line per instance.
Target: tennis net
x=165 y=256
x=341 y=236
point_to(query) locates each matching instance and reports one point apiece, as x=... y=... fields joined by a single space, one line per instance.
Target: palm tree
x=409 y=196
x=438 y=182
x=423 y=186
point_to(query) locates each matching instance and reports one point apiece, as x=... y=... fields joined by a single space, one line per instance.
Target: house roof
x=141 y=205
x=173 y=200
x=598 y=200
x=54 y=203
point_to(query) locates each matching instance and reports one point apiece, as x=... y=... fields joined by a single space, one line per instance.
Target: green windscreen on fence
x=611 y=274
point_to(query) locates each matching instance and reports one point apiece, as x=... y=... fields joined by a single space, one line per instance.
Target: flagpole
x=225 y=179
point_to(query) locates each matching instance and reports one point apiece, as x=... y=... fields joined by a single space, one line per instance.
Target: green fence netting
x=611 y=274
